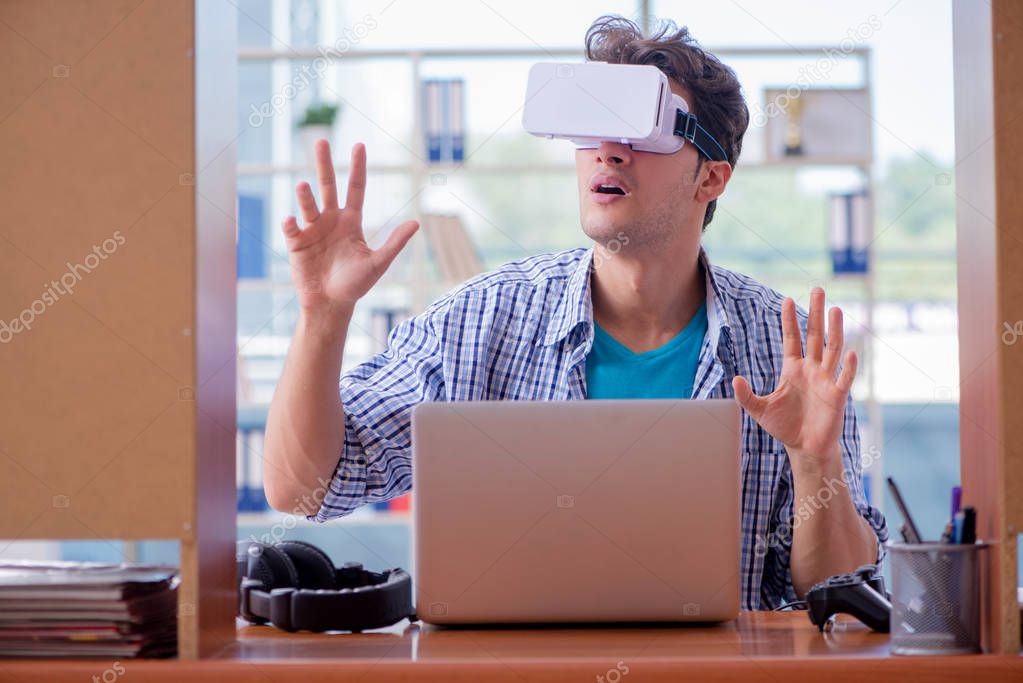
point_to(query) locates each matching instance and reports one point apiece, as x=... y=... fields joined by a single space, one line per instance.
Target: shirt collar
x=719 y=330
x=575 y=306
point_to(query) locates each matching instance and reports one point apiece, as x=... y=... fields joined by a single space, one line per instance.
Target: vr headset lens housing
x=593 y=102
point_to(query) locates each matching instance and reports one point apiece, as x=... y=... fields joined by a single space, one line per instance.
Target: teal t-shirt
x=614 y=371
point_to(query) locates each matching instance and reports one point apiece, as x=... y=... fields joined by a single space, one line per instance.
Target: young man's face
x=661 y=192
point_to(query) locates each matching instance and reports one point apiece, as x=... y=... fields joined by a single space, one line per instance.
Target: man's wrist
x=817 y=466
x=328 y=324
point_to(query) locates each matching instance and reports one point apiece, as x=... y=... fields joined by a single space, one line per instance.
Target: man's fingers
x=290 y=228
x=750 y=402
x=357 y=179
x=815 y=326
x=848 y=374
x=396 y=241
x=306 y=202
x=836 y=339
x=325 y=175
x=791 y=337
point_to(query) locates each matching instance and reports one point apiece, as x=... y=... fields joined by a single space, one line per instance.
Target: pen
x=958 y=523
x=909 y=530
x=949 y=534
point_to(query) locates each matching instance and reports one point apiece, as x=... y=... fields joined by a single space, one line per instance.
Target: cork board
x=117 y=309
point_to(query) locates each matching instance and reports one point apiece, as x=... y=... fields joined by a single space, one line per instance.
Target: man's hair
x=719 y=104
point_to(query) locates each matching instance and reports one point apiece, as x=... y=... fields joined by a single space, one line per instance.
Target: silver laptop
x=595 y=511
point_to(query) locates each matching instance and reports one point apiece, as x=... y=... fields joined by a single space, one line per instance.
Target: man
x=640 y=314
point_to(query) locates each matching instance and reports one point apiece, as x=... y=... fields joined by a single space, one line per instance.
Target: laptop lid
x=601 y=510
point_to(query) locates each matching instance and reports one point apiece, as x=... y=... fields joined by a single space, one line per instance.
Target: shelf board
x=268 y=169
x=358 y=518
x=257 y=169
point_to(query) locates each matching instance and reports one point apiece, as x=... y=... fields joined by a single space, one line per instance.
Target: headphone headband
x=296 y=587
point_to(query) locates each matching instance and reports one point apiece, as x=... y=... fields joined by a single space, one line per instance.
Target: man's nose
x=614 y=153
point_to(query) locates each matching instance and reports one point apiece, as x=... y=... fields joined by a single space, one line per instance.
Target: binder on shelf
x=457 y=108
x=850 y=241
x=444 y=119
x=432 y=119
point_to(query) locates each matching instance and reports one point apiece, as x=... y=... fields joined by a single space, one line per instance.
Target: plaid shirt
x=522 y=332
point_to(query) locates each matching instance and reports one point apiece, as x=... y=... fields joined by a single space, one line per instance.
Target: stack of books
x=86 y=609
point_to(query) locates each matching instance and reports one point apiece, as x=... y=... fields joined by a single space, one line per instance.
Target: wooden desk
x=758 y=646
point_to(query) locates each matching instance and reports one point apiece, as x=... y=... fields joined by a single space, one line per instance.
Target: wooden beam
x=988 y=66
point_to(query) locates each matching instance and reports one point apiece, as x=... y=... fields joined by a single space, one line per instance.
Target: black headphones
x=295 y=586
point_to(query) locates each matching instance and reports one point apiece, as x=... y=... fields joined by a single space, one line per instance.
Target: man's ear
x=715 y=179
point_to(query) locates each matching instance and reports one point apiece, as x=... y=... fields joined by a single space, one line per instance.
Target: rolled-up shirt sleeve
x=377 y=397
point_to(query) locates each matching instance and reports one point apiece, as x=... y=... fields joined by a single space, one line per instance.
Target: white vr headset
x=593 y=102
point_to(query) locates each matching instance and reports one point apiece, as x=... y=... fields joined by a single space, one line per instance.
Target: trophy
x=793 y=129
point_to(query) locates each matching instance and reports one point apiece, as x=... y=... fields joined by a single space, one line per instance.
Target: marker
x=958 y=524
x=957 y=495
x=969 y=533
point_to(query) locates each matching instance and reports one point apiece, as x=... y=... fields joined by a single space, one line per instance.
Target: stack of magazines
x=86 y=609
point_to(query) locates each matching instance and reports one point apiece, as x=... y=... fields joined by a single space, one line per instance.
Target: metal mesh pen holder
x=935 y=598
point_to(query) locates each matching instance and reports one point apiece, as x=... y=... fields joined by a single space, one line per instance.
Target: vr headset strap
x=704 y=142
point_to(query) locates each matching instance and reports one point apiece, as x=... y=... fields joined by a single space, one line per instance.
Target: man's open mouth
x=608 y=183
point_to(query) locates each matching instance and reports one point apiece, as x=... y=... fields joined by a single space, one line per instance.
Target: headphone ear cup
x=271 y=567
x=315 y=568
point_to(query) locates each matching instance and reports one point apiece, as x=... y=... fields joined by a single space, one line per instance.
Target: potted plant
x=317 y=122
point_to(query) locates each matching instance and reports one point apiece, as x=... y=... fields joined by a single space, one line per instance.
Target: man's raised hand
x=332 y=266
x=806 y=410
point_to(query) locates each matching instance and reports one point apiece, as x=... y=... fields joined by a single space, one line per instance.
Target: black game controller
x=860 y=594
